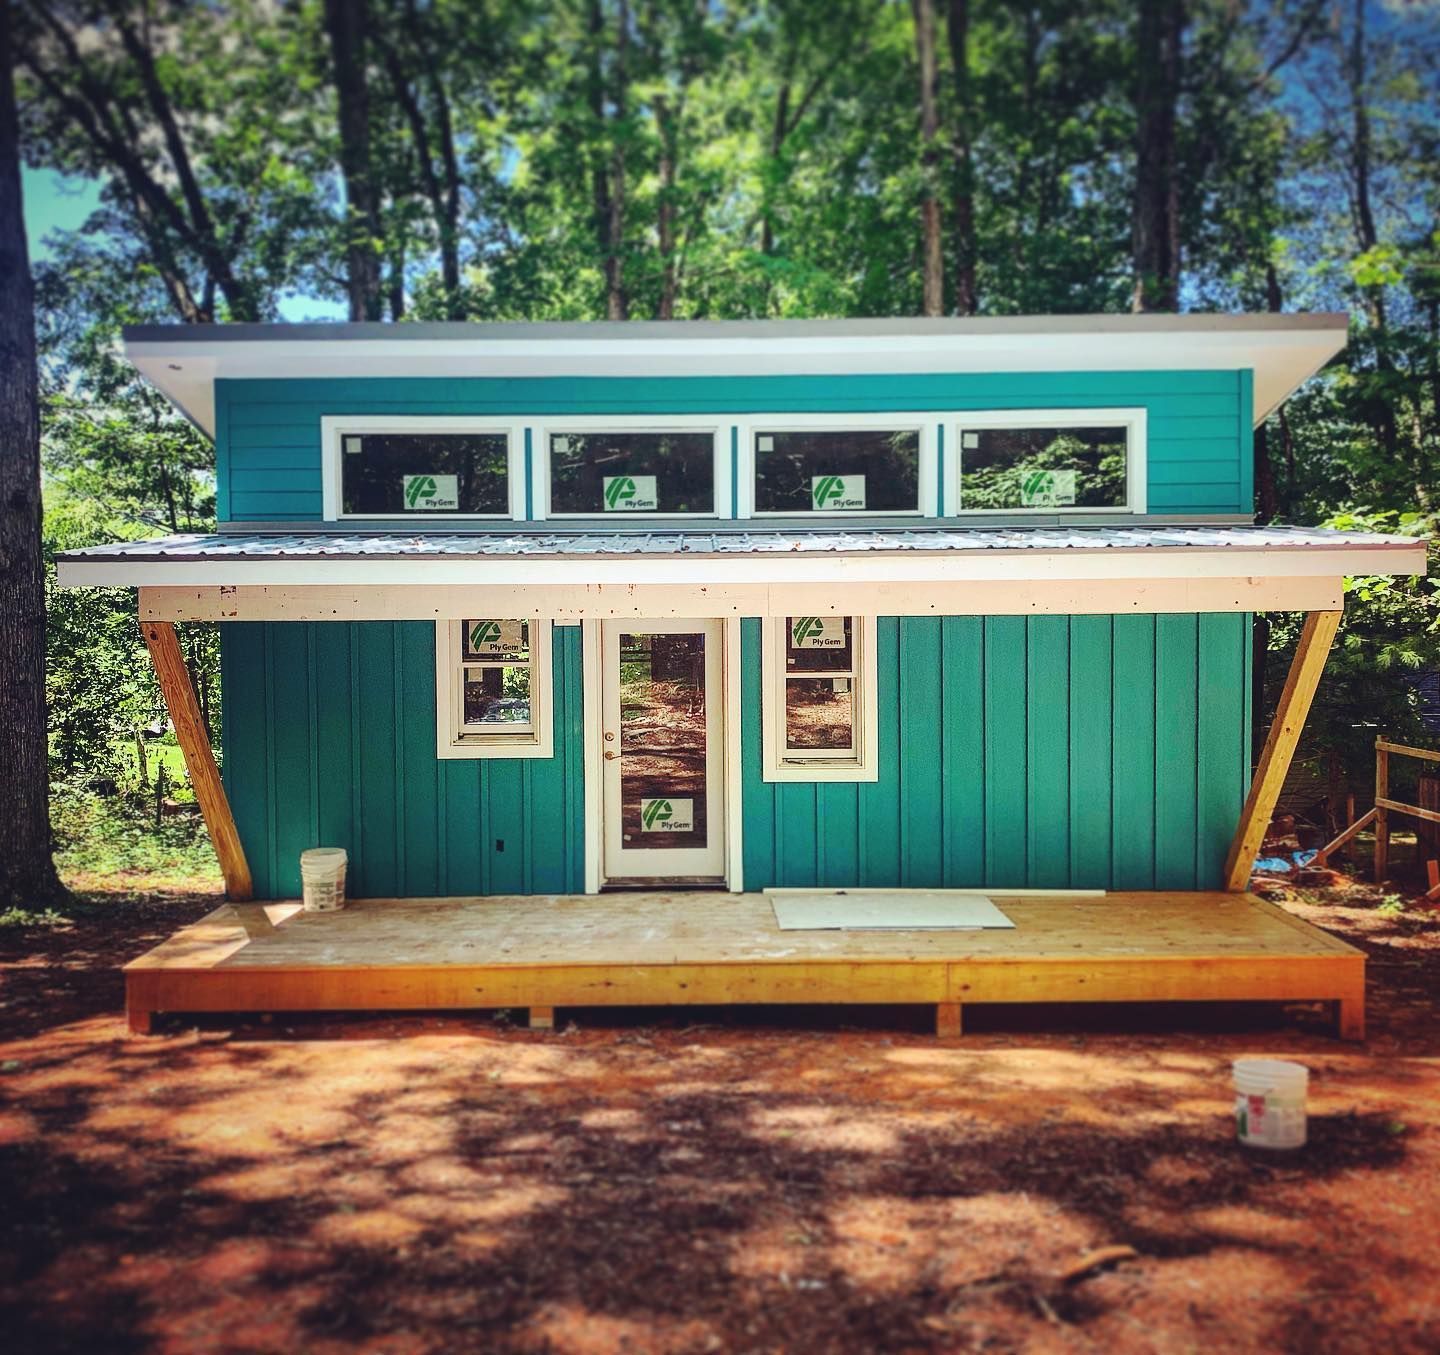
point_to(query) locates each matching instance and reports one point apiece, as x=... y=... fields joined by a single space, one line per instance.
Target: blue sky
x=54 y=202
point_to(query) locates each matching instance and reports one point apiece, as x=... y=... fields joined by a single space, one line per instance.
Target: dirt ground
x=774 y=1181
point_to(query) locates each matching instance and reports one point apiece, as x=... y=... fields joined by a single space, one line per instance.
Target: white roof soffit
x=184 y=361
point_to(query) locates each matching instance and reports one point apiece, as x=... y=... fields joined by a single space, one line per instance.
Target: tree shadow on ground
x=507 y=1192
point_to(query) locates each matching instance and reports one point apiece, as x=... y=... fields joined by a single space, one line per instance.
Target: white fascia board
x=778 y=569
x=651 y=602
x=1281 y=358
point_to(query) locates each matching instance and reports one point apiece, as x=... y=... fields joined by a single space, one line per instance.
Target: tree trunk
x=346 y=22
x=1259 y=662
x=395 y=287
x=27 y=872
x=1156 y=218
x=1267 y=500
x=1382 y=416
x=617 y=301
x=967 y=296
x=932 y=245
x=665 y=224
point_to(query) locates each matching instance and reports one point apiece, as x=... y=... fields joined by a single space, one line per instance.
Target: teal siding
x=330 y=739
x=1046 y=752
x=1083 y=752
x=268 y=432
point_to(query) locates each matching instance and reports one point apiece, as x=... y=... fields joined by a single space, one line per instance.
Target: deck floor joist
x=668 y=948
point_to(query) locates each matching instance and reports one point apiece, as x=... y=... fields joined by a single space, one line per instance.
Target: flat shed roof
x=184 y=361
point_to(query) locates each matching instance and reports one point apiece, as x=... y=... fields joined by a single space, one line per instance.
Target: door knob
x=609 y=753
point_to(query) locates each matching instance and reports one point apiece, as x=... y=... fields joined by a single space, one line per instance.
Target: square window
x=632 y=471
x=851 y=470
x=411 y=474
x=818 y=711
x=493 y=688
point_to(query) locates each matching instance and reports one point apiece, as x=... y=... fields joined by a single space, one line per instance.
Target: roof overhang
x=917 y=573
x=185 y=361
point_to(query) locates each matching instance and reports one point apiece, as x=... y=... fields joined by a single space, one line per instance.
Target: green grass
x=163 y=752
x=31 y=917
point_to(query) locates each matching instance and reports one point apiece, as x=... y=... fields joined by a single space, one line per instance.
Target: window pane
x=818 y=644
x=663 y=740
x=1042 y=468
x=492 y=641
x=424 y=472
x=497 y=696
x=837 y=471
x=820 y=713
x=632 y=472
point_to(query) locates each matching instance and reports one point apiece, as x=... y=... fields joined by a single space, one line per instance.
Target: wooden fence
x=1384 y=807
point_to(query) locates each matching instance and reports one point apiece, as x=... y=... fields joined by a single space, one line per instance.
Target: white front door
x=663 y=738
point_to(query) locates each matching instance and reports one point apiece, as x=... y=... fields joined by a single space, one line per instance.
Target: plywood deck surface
x=637 y=948
x=714 y=928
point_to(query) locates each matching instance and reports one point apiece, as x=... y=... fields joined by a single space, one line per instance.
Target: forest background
x=408 y=160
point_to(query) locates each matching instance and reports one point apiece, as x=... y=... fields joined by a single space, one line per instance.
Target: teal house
x=556 y=609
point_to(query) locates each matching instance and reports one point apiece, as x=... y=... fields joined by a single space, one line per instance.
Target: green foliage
x=104 y=834
x=568 y=159
x=1390 y=635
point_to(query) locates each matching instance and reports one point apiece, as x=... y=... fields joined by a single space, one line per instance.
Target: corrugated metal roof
x=723 y=542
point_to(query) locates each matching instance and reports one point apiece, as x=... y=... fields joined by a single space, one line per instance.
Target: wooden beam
x=1415 y=811
x=194 y=738
x=1427 y=754
x=1057 y=595
x=1315 y=639
x=1322 y=857
x=947 y=1020
x=1382 y=815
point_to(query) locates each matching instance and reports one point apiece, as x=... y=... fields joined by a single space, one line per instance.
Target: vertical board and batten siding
x=1057 y=752
x=268 y=445
x=1044 y=752
x=330 y=740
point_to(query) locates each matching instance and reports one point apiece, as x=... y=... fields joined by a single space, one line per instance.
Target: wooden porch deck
x=664 y=948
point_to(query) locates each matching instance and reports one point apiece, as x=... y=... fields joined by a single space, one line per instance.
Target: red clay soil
x=801 y=1181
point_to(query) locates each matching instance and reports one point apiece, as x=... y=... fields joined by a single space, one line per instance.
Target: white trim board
x=593 y=751
x=717 y=425
x=1135 y=419
x=333 y=428
x=1061 y=597
x=927 y=423
x=863 y=762
x=536 y=741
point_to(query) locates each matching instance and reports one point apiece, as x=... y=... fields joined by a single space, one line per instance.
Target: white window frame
x=927 y=424
x=781 y=764
x=536 y=740
x=335 y=427
x=718 y=426
x=1133 y=420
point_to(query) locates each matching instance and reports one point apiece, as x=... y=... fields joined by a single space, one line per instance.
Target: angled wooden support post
x=1305 y=669
x=1382 y=812
x=194 y=739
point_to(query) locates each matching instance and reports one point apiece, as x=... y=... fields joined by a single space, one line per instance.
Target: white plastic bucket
x=1270 y=1102
x=322 y=877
